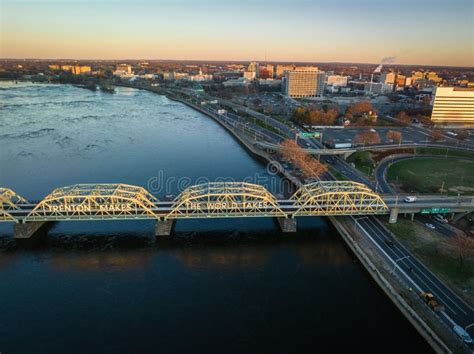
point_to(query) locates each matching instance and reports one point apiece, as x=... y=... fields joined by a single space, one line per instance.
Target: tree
x=403 y=118
x=436 y=134
x=463 y=247
x=366 y=138
x=462 y=135
x=395 y=136
x=291 y=151
x=359 y=108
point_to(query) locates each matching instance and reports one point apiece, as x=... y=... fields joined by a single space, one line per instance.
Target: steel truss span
x=225 y=199
x=95 y=202
x=208 y=200
x=9 y=201
x=337 y=198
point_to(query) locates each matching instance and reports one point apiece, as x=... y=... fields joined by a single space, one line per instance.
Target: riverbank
x=436 y=339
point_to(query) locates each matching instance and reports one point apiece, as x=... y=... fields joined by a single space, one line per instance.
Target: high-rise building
x=253 y=66
x=271 y=70
x=304 y=83
x=453 y=105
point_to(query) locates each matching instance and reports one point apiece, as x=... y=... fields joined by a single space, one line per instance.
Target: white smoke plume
x=387 y=60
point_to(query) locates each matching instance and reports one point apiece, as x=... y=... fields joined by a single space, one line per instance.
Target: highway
x=413 y=272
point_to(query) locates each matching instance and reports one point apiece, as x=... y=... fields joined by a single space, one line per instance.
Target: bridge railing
x=209 y=200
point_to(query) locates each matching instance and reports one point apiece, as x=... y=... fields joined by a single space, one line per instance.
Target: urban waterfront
x=220 y=285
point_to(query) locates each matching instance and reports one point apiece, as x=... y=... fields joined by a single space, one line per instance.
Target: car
x=462 y=333
x=410 y=199
x=373 y=130
x=430 y=226
x=451 y=133
x=389 y=242
x=308 y=144
x=440 y=218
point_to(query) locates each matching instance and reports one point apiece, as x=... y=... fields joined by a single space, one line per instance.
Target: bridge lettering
x=226 y=205
x=86 y=208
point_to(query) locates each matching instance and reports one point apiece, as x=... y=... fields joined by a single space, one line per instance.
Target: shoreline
x=413 y=318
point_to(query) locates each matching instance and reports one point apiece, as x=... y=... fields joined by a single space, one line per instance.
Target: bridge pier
x=163 y=227
x=287 y=224
x=393 y=216
x=27 y=231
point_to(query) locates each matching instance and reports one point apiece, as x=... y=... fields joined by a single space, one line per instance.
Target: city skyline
x=423 y=33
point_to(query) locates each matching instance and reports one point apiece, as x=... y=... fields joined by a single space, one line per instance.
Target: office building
x=388 y=78
x=453 y=105
x=121 y=69
x=304 y=83
x=337 y=80
x=250 y=75
x=378 y=88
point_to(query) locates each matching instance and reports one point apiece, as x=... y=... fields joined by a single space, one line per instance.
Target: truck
x=431 y=301
x=334 y=145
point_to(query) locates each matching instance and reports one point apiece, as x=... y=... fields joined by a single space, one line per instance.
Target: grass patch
x=438 y=254
x=443 y=152
x=363 y=161
x=433 y=175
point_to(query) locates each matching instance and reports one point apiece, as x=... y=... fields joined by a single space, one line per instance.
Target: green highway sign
x=435 y=211
x=310 y=135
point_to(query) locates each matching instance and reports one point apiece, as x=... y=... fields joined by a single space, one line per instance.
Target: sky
x=425 y=32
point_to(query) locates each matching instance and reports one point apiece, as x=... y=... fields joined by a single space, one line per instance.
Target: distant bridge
x=210 y=200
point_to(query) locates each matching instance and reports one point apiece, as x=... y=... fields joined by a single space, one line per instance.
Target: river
x=230 y=285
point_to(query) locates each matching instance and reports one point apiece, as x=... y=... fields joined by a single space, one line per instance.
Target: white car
x=430 y=226
x=461 y=332
x=410 y=199
x=373 y=130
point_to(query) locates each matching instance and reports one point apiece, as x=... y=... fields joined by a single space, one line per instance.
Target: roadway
x=413 y=272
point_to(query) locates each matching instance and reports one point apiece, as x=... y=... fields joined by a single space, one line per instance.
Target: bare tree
x=291 y=151
x=395 y=136
x=436 y=134
x=463 y=247
x=366 y=138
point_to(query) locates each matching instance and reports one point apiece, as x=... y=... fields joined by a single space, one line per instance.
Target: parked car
x=461 y=332
x=410 y=199
x=430 y=226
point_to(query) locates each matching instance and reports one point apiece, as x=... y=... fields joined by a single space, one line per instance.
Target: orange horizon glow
x=116 y=30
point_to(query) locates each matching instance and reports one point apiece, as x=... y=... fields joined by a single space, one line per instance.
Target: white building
x=250 y=75
x=123 y=70
x=337 y=80
x=304 y=83
x=377 y=88
x=453 y=105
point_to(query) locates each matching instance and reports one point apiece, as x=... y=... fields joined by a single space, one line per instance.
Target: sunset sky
x=436 y=32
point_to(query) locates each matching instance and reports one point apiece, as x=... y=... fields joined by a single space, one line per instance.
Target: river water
x=232 y=285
